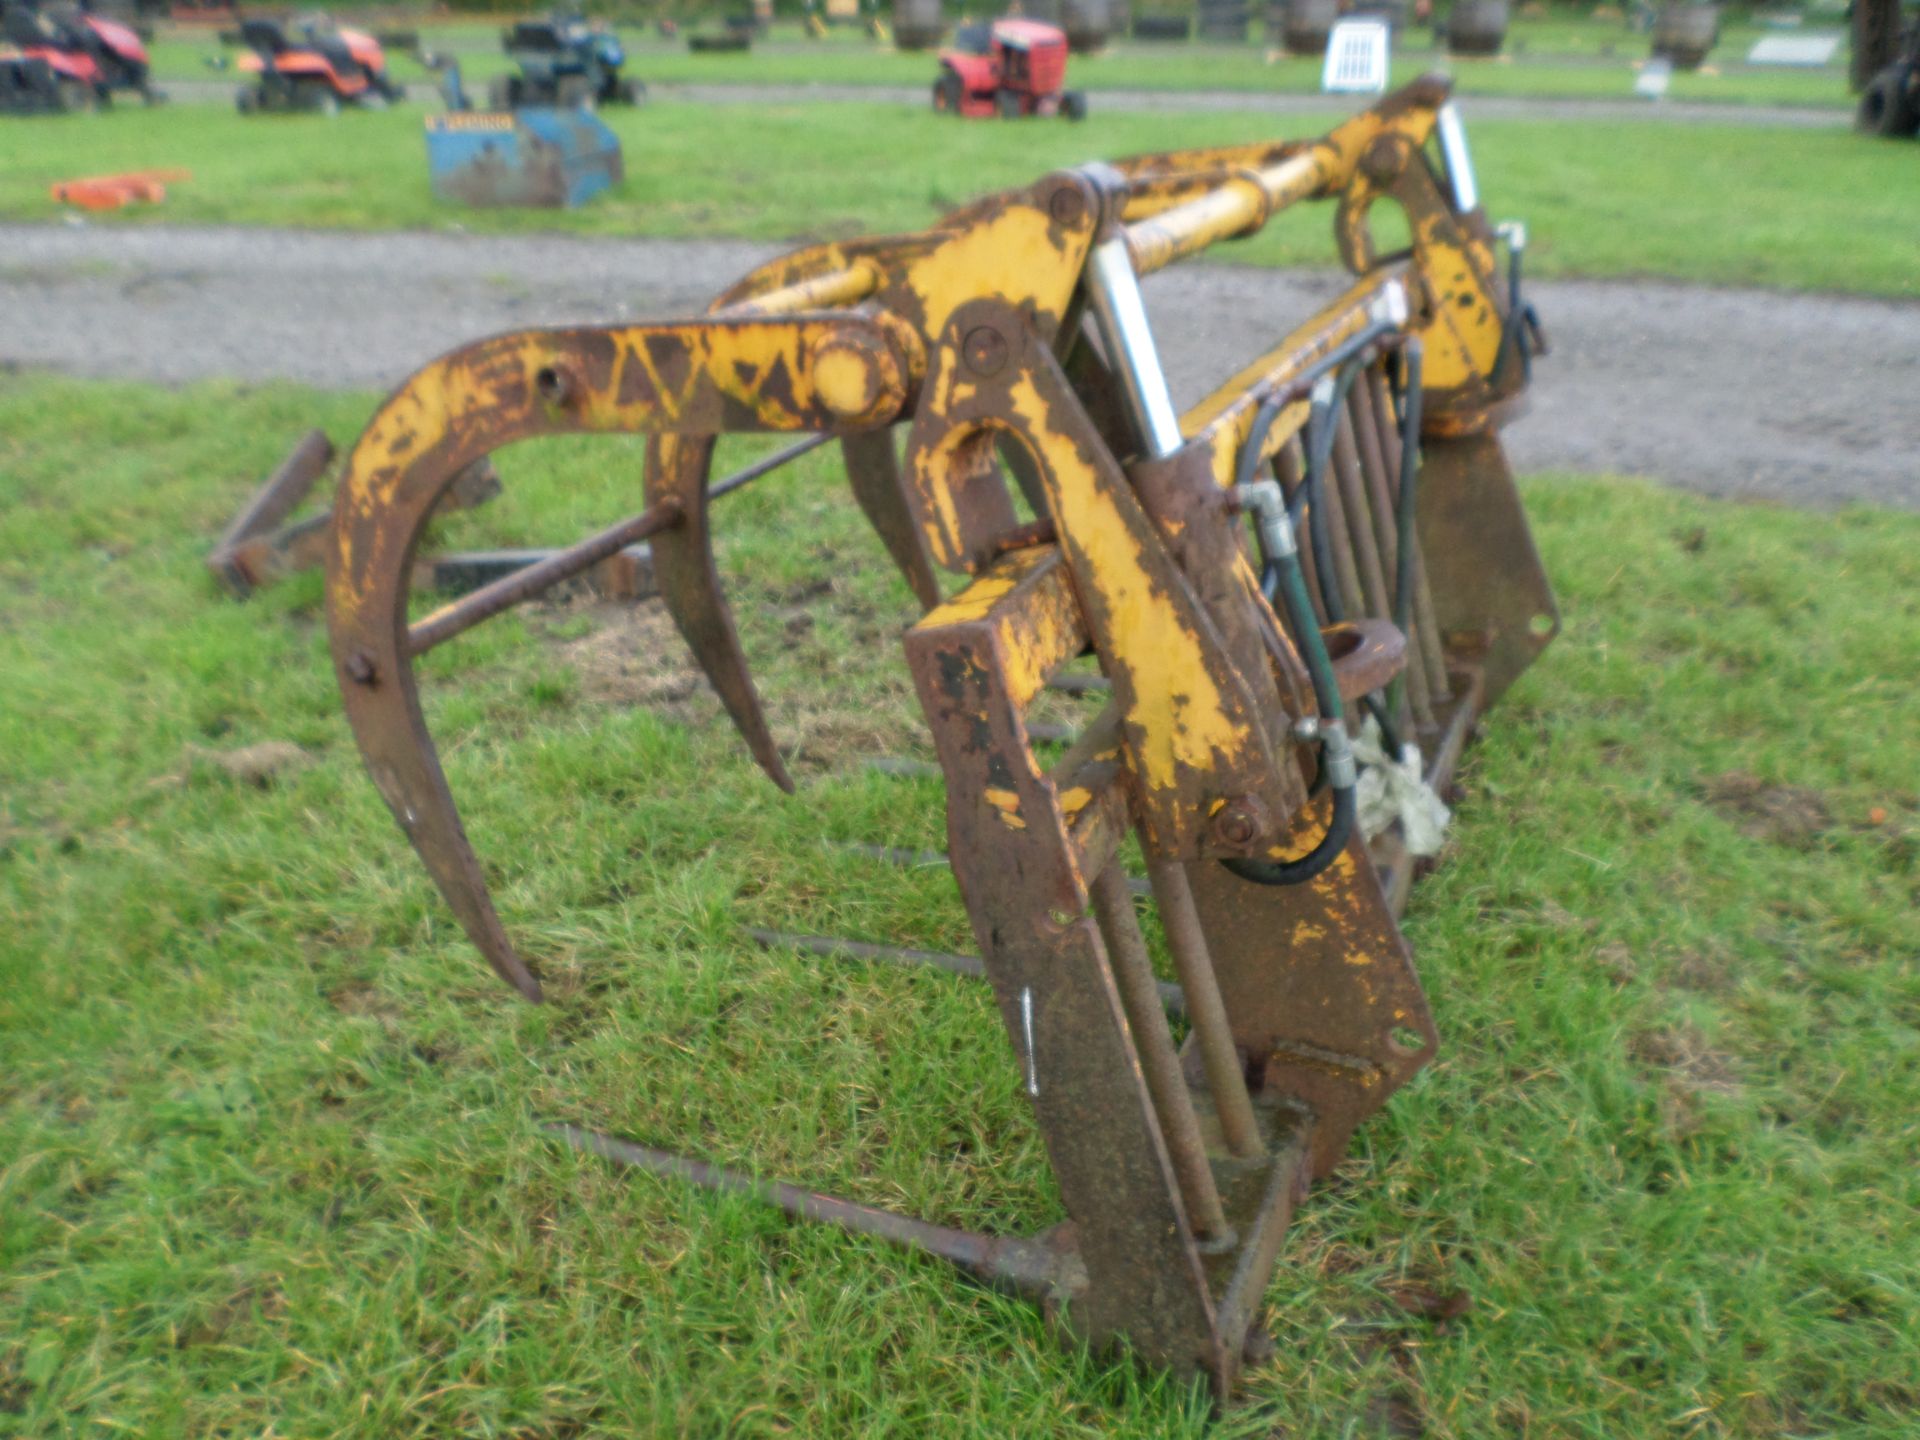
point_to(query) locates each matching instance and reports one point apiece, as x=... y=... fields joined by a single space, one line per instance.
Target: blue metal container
x=534 y=156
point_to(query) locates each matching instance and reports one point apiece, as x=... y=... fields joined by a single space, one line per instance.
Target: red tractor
x=311 y=66
x=1010 y=68
x=42 y=67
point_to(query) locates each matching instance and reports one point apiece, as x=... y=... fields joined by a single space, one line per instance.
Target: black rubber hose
x=1323 y=429
x=1281 y=576
x=1292 y=587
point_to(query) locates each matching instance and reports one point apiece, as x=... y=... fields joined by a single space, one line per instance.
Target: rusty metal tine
x=1074 y=684
x=283 y=491
x=1424 y=660
x=1346 y=571
x=689 y=583
x=1172 y=998
x=971 y=966
x=1153 y=1042
x=873 y=473
x=903 y=768
x=1028 y=1267
x=1358 y=514
x=766 y=465
x=268 y=506
x=522 y=585
x=1373 y=427
x=916 y=859
x=894 y=855
x=1226 y=1072
x=1369 y=430
x=560 y=565
x=1426 y=628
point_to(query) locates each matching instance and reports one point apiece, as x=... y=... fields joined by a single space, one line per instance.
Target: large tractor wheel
x=74 y=97
x=246 y=99
x=1007 y=104
x=1073 y=104
x=946 y=94
x=1887 y=106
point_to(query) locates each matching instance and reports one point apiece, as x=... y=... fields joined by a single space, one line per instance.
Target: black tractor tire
x=74 y=97
x=1887 y=105
x=316 y=97
x=947 y=93
x=1006 y=104
x=1073 y=104
x=631 y=92
x=246 y=100
x=575 y=92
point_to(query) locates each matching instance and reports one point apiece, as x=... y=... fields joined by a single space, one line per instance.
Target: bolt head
x=1067 y=205
x=360 y=668
x=1241 y=822
x=985 y=350
x=1381 y=160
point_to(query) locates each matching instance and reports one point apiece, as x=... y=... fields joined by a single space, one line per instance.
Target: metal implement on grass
x=1331 y=539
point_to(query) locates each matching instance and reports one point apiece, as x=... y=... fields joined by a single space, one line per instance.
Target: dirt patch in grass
x=1788 y=815
x=257 y=765
x=1685 y=1057
x=357 y=997
x=634 y=656
x=1688 y=1069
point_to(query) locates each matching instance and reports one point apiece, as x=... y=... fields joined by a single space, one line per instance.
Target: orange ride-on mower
x=38 y=72
x=354 y=52
x=318 y=74
x=1009 y=68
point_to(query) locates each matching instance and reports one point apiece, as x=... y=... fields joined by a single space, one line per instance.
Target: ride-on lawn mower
x=354 y=51
x=321 y=71
x=564 y=60
x=1886 y=50
x=119 y=58
x=1009 y=68
x=36 y=73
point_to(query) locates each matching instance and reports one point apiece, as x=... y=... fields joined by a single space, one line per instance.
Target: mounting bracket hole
x=552 y=384
x=1542 y=625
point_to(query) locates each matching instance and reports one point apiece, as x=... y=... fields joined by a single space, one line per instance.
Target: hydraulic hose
x=1282 y=575
x=1322 y=428
x=1282 y=579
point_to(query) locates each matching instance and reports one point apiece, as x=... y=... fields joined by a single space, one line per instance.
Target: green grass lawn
x=1734 y=205
x=268 y=1151
x=1562 y=56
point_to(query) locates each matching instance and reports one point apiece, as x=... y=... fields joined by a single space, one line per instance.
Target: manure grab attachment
x=1331 y=541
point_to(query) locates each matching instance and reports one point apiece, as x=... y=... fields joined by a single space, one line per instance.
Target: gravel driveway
x=1802 y=398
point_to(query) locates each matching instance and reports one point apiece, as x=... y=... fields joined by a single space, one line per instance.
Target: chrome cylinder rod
x=1113 y=290
x=1453 y=149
